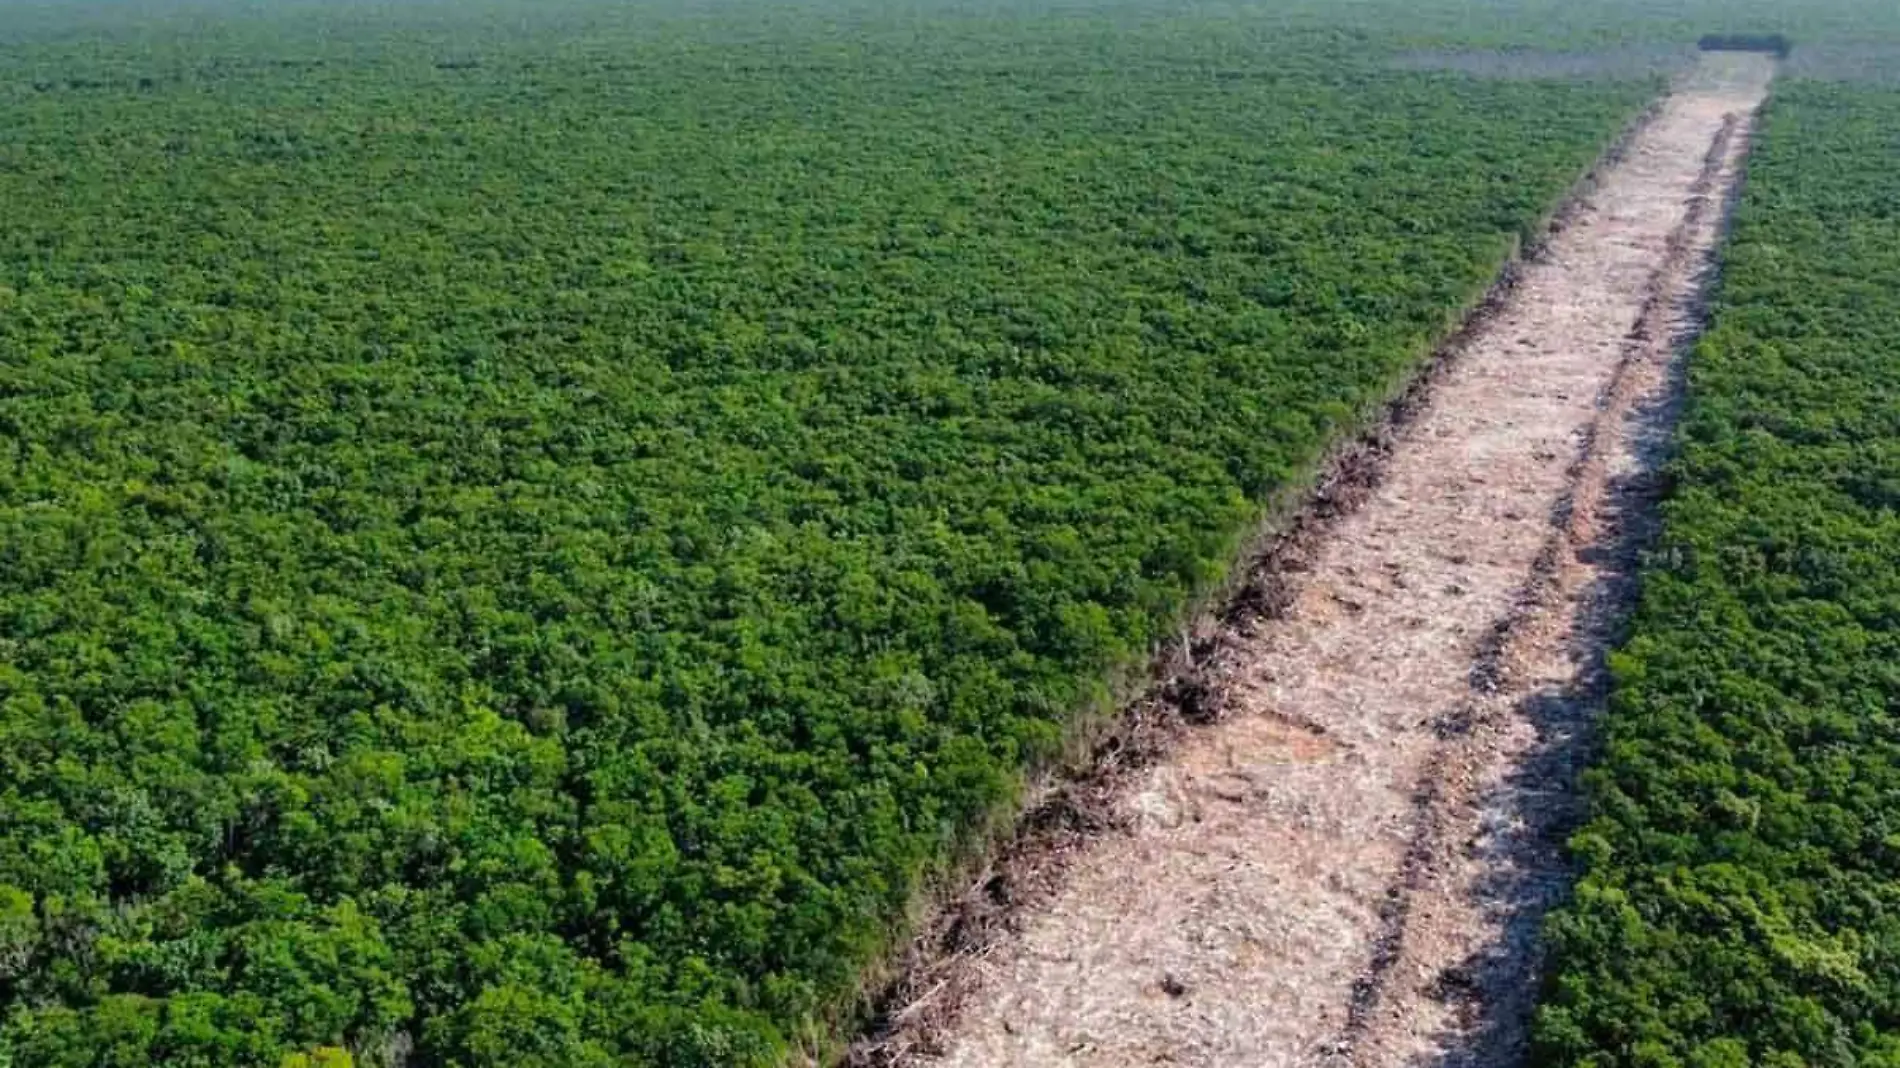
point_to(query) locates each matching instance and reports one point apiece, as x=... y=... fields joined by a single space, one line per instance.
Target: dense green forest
x=523 y=540
x=1741 y=898
x=527 y=532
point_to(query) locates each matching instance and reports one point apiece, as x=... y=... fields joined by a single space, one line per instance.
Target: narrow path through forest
x=1350 y=865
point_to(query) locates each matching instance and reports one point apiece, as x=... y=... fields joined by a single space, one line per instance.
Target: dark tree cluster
x=1773 y=43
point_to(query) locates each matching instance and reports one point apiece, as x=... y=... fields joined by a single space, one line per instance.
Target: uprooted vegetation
x=1290 y=884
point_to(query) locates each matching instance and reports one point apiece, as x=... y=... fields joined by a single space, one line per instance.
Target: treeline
x=1740 y=903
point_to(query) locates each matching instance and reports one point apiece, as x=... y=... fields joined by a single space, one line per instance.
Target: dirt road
x=1349 y=867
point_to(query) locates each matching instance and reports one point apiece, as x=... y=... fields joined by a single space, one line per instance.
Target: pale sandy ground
x=1349 y=867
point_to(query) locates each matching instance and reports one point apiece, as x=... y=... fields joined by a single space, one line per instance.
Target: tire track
x=1432 y=993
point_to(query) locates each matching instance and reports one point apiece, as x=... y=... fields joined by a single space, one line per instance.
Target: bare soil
x=1346 y=861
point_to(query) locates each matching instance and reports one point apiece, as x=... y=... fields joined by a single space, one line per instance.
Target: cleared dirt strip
x=1349 y=866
